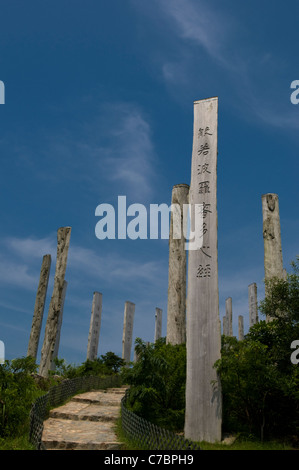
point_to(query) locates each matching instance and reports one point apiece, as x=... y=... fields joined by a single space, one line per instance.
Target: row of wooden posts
x=193 y=297
x=96 y=314
x=51 y=342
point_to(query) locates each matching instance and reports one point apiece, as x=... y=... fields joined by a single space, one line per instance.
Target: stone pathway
x=86 y=422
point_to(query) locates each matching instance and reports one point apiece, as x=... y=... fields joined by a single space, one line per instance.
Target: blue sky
x=99 y=103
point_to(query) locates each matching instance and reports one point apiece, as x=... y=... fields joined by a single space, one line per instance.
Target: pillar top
x=206 y=99
x=184 y=185
x=269 y=194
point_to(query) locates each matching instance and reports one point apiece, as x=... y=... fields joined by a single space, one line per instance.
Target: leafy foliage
x=282 y=299
x=157 y=380
x=260 y=384
x=106 y=364
x=17 y=392
x=20 y=386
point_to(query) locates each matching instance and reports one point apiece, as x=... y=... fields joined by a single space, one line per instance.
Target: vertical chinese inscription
x=203 y=417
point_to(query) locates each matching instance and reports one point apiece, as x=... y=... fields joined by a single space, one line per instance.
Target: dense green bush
x=260 y=383
x=17 y=392
x=106 y=364
x=157 y=383
x=20 y=386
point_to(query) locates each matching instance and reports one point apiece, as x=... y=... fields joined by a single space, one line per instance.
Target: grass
x=238 y=444
x=23 y=443
x=128 y=444
x=243 y=444
x=16 y=443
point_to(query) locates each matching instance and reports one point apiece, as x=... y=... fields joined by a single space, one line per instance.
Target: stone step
x=100 y=398
x=64 y=434
x=77 y=410
x=86 y=422
x=120 y=391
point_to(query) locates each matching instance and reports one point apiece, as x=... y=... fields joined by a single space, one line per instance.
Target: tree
x=17 y=392
x=112 y=361
x=107 y=364
x=282 y=299
x=259 y=381
x=157 y=383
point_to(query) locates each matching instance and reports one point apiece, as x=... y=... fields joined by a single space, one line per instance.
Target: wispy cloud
x=110 y=151
x=21 y=258
x=276 y=115
x=31 y=247
x=129 y=155
x=16 y=273
x=198 y=23
x=210 y=49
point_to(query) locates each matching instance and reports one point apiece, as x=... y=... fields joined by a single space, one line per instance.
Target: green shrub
x=106 y=364
x=20 y=386
x=17 y=392
x=260 y=384
x=157 y=383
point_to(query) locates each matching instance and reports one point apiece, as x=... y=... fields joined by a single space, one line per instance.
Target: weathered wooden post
x=241 y=327
x=57 y=342
x=203 y=416
x=39 y=307
x=225 y=326
x=95 y=326
x=272 y=237
x=252 y=303
x=176 y=306
x=229 y=315
x=273 y=263
x=158 y=324
x=63 y=241
x=128 y=331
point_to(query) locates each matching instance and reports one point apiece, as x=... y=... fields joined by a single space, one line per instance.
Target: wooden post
x=128 y=331
x=95 y=325
x=63 y=240
x=176 y=306
x=158 y=324
x=39 y=307
x=252 y=303
x=203 y=417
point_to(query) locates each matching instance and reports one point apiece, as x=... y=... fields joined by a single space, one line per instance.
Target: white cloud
x=32 y=247
x=19 y=265
x=111 y=152
x=276 y=115
x=212 y=48
x=196 y=22
x=17 y=274
x=129 y=156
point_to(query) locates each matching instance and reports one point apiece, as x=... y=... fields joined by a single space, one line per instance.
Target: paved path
x=86 y=422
